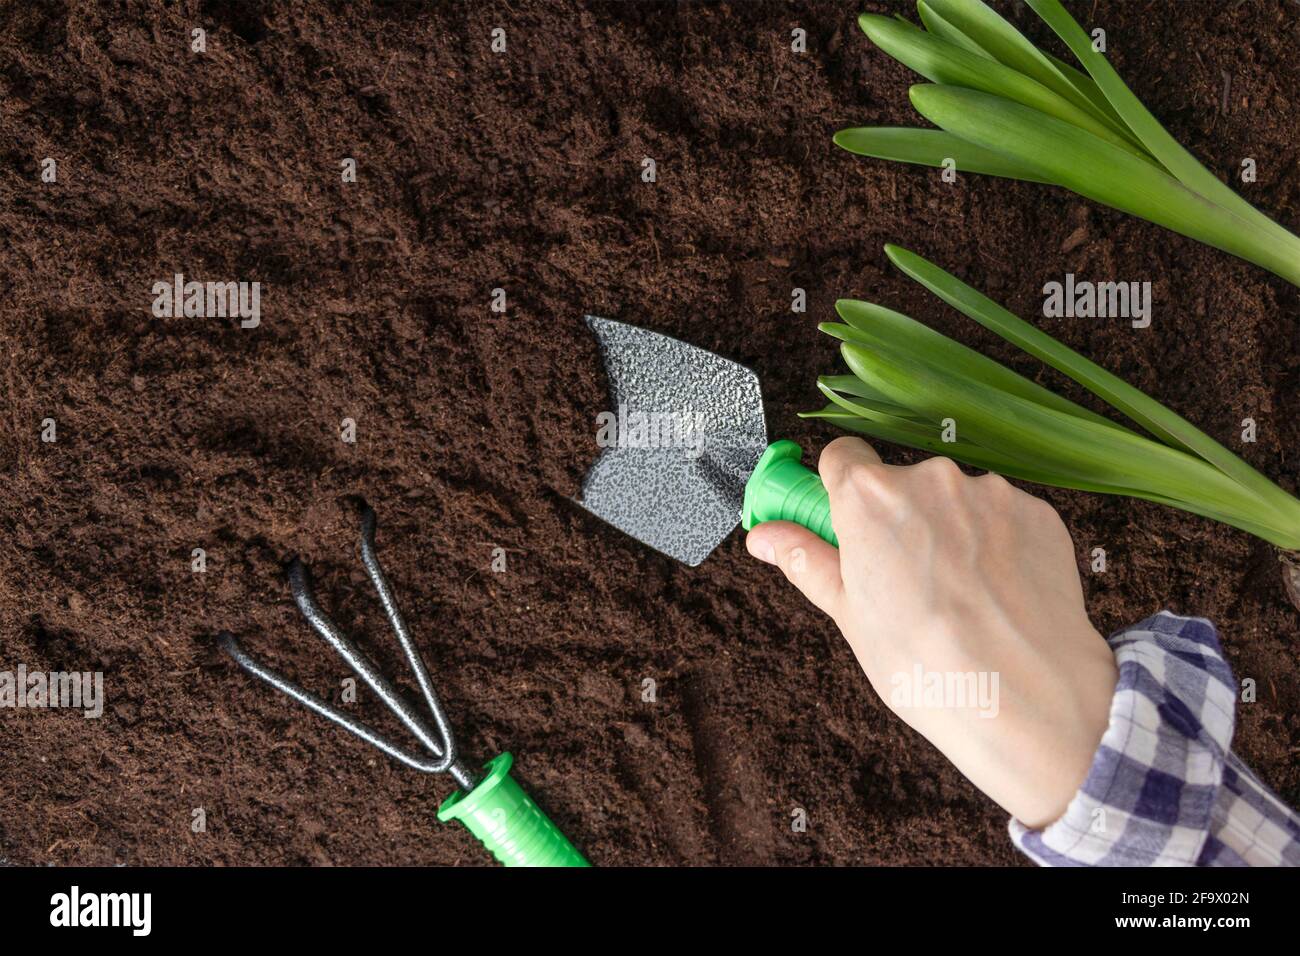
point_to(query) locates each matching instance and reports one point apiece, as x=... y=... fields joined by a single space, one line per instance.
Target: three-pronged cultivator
x=490 y=803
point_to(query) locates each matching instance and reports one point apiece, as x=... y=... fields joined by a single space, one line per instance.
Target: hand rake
x=490 y=803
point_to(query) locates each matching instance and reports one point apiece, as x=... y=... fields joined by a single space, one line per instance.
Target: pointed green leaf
x=1009 y=47
x=865 y=394
x=1050 y=439
x=946 y=31
x=882 y=328
x=1147 y=412
x=930 y=147
x=942 y=62
x=1068 y=156
x=1171 y=154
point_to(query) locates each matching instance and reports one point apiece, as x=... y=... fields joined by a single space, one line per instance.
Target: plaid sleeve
x=1165 y=788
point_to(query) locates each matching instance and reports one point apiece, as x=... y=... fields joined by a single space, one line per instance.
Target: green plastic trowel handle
x=782 y=489
x=507 y=822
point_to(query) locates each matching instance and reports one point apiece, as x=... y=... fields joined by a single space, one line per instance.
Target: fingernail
x=760 y=549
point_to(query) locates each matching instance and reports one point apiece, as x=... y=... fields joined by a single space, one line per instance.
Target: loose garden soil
x=522 y=171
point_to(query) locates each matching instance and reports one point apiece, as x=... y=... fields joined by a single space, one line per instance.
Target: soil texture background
x=522 y=171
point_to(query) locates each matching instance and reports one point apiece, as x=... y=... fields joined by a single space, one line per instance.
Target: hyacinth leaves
x=914 y=386
x=1005 y=108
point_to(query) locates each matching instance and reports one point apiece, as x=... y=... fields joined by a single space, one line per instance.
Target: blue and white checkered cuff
x=1164 y=788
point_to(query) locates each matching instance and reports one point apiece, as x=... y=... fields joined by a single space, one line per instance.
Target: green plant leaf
x=930 y=147
x=1008 y=46
x=908 y=382
x=979 y=458
x=875 y=326
x=1088 y=87
x=1051 y=440
x=1068 y=156
x=942 y=62
x=967 y=47
x=1160 y=421
x=1171 y=154
x=882 y=413
x=946 y=31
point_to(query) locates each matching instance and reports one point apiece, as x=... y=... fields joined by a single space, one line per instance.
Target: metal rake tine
x=300 y=587
x=370 y=558
x=231 y=646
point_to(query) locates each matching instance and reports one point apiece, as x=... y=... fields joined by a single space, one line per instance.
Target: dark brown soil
x=522 y=171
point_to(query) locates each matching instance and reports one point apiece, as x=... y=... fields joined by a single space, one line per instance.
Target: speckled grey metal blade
x=682 y=501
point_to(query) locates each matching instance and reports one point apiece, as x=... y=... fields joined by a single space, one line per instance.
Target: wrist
x=1060 y=739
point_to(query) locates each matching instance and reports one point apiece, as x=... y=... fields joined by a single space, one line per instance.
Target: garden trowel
x=684 y=453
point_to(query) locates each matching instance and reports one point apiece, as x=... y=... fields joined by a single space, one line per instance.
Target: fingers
x=808 y=562
x=841 y=456
x=859 y=487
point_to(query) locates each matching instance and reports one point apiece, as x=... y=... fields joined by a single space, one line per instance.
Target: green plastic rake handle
x=507 y=822
x=782 y=489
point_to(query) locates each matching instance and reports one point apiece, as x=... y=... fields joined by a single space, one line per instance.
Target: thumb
x=810 y=564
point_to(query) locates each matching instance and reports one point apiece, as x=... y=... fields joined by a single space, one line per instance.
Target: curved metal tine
x=290 y=689
x=370 y=559
x=300 y=587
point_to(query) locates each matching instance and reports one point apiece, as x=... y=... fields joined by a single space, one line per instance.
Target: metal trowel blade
x=682 y=436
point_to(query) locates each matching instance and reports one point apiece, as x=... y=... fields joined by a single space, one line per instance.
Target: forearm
x=1164 y=787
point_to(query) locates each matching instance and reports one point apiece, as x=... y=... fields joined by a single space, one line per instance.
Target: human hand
x=968 y=585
